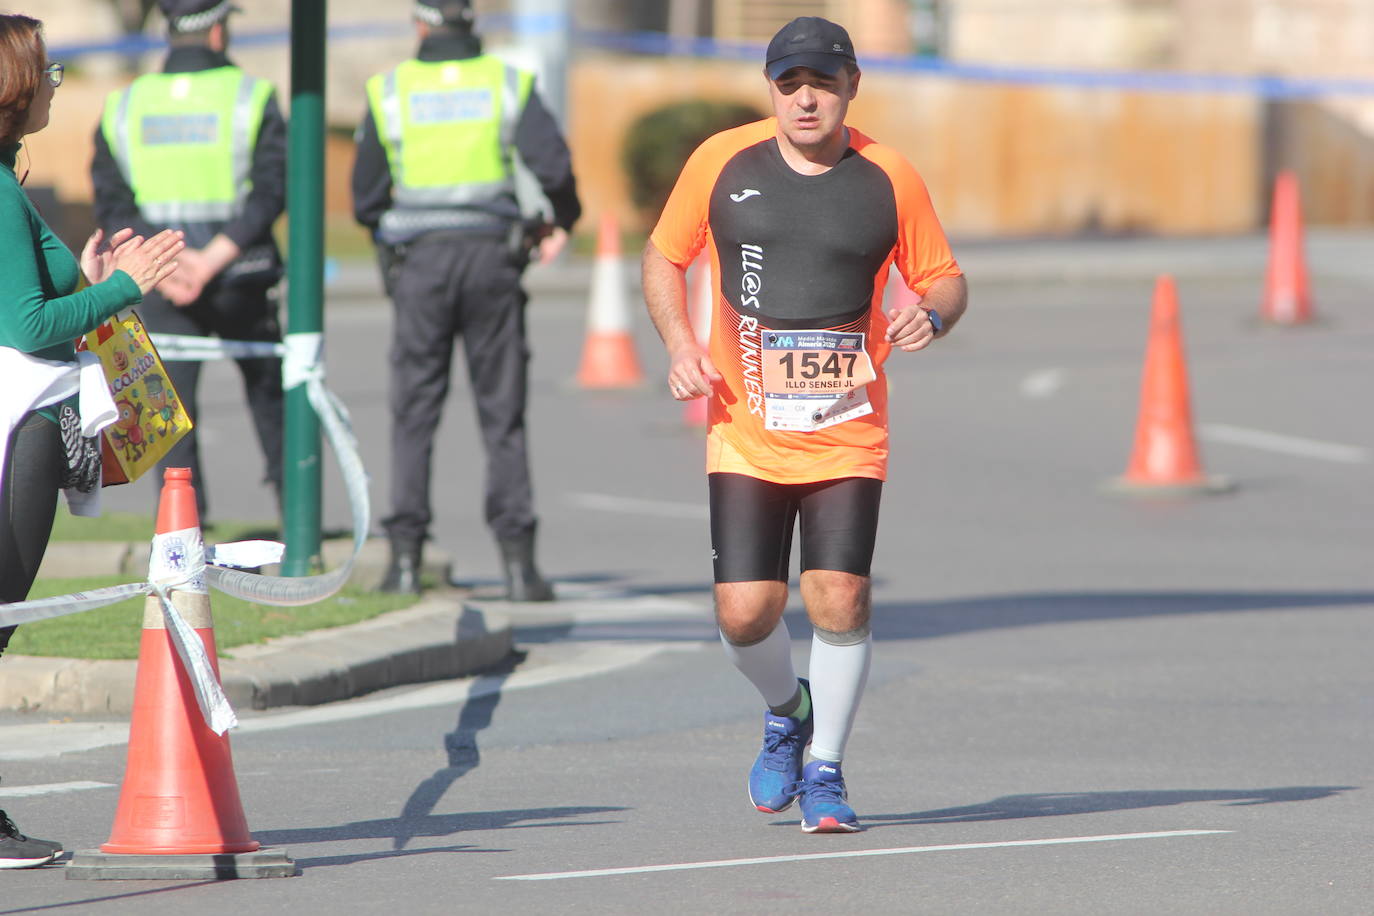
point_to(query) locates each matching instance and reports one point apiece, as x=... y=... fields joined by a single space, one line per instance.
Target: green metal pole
x=305 y=281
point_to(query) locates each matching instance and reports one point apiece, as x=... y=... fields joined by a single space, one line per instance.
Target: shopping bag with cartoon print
x=151 y=417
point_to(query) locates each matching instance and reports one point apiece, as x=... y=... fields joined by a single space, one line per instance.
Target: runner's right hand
x=692 y=374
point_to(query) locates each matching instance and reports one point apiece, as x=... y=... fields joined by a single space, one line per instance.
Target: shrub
x=658 y=144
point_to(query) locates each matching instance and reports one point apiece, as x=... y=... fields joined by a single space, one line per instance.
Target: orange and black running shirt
x=797 y=327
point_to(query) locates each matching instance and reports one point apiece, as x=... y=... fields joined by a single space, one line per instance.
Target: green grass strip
x=136 y=527
x=114 y=631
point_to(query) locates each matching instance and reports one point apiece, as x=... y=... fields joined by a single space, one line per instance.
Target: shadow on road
x=460 y=745
x=434 y=825
x=925 y=620
x=107 y=898
x=930 y=619
x=1055 y=804
x=417 y=818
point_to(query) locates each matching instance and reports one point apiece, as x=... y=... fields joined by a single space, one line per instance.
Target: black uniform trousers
x=448 y=285
x=230 y=312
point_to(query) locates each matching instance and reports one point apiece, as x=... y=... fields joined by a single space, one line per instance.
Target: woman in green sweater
x=41 y=313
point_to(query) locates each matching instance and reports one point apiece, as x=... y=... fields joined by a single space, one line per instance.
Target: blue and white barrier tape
x=658 y=44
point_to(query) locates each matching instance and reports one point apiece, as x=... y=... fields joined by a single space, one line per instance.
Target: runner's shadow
x=460 y=745
x=435 y=825
x=1057 y=804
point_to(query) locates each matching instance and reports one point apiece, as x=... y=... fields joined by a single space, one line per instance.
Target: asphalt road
x=1079 y=703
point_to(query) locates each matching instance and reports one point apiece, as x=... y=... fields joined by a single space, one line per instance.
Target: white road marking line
x=35 y=742
x=1042 y=384
x=632 y=506
x=1288 y=445
x=854 y=854
x=52 y=788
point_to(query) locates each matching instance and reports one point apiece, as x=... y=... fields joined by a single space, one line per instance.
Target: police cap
x=444 y=12
x=195 y=15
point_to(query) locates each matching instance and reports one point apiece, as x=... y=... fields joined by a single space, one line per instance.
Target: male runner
x=803 y=217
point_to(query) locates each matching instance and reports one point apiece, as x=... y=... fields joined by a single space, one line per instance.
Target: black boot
x=523 y=582
x=403 y=572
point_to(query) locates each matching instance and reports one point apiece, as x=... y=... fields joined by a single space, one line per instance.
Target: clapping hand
x=147 y=261
x=96 y=259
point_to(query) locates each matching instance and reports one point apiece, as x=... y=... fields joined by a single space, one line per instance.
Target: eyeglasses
x=54 y=74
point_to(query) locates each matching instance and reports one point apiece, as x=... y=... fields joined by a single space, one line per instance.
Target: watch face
x=935 y=321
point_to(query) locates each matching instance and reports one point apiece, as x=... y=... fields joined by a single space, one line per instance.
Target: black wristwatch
x=936 y=321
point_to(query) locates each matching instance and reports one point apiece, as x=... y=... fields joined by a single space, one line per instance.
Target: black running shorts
x=752 y=520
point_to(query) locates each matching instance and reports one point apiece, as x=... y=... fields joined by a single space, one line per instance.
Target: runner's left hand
x=910 y=328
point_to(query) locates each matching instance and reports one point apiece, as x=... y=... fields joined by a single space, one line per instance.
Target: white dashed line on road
x=1287 y=445
x=1042 y=384
x=855 y=854
x=52 y=788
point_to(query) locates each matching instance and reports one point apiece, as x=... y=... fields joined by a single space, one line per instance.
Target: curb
x=438 y=638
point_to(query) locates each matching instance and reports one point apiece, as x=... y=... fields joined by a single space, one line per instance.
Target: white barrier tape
x=61 y=605
x=177 y=563
x=178 y=560
x=303 y=361
x=214 y=705
x=200 y=349
x=245 y=554
x=294 y=591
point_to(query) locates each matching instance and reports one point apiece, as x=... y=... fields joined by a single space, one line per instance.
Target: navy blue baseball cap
x=195 y=15
x=809 y=41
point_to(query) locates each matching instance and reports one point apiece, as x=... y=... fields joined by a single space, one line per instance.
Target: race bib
x=814 y=378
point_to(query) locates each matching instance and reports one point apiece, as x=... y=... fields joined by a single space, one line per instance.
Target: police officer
x=201 y=147
x=434 y=183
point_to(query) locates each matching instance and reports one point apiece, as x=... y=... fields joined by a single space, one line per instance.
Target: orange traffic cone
x=608 y=356
x=699 y=302
x=179 y=815
x=1287 y=297
x=1165 y=458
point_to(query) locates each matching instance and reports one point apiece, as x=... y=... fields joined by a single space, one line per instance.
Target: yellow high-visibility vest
x=184 y=143
x=448 y=129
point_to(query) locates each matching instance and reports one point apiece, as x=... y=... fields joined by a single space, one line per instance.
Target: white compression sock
x=838 y=676
x=767 y=664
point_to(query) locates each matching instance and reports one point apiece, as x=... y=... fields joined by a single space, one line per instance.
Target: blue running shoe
x=778 y=768
x=824 y=801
